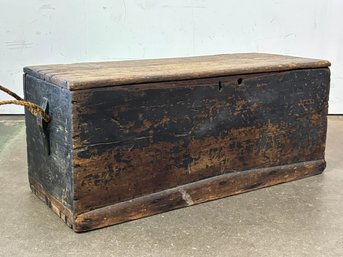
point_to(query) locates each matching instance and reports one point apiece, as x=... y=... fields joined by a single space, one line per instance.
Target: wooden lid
x=102 y=74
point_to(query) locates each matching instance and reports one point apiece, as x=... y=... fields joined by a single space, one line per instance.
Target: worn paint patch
x=174 y=133
x=186 y=197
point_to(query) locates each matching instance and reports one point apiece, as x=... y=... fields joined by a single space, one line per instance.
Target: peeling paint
x=186 y=197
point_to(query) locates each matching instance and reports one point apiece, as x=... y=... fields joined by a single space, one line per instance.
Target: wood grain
x=107 y=74
x=195 y=193
x=134 y=138
x=170 y=134
x=178 y=197
x=53 y=171
x=56 y=205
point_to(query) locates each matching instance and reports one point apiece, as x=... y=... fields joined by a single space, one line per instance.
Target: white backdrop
x=42 y=32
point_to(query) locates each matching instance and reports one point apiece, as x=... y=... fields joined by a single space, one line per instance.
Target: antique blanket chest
x=130 y=139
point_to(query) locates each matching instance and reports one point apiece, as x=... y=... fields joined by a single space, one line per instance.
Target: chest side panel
x=52 y=172
x=134 y=140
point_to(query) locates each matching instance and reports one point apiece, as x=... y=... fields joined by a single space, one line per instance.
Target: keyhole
x=220 y=87
x=239 y=81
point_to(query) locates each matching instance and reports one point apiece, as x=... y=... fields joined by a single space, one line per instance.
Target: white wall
x=42 y=32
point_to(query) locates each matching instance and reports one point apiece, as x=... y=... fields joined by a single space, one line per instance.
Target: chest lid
x=80 y=76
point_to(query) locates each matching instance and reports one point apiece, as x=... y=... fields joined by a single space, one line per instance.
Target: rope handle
x=35 y=109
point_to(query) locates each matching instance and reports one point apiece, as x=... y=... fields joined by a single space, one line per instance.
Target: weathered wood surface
x=61 y=209
x=126 y=142
x=102 y=74
x=194 y=193
x=182 y=196
x=139 y=140
x=53 y=171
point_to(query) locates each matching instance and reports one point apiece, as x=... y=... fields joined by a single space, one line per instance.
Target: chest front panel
x=134 y=140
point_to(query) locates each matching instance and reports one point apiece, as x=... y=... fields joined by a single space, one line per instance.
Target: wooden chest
x=134 y=138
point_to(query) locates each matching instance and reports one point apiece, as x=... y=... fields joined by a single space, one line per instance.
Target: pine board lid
x=80 y=76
